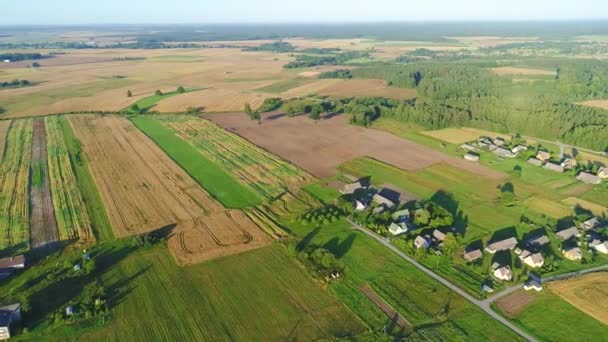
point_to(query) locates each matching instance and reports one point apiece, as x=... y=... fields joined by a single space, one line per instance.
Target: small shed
x=472 y=255
x=421 y=242
x=588 y=178
x=472 y=157
x=554 y=167
x=543 y=156
x=535 y=162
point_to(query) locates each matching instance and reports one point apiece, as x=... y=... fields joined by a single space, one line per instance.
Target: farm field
x=265 y=174
x=594 y=208
x=43 y=225
x=71 y=211
x=4 y=127
x=522 y=71
x=588 y=293
x=149 y=191
x=366 y=88
x=299 y=140
x=14 y=185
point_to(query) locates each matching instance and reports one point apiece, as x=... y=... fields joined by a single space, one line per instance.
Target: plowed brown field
x=144 y=190
x=320 y=147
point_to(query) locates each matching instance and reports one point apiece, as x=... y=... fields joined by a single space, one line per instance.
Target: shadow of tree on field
x=339 y=249
x=447 y=201
x=307 y=239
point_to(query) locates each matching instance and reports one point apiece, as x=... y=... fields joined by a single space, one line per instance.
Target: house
x=533 y=285
x=487 y=288
x=8 y=315
x=590 y=224
x=600 y=247
x=603 y=172
x=360 y=205
x=553 y=167
x=401 y=215
x=573 y=253
x=504 y=273
x=532 y=259
x=543 y=156
x=535 y=162
x=472 y=255
x=10 y=265
x=383 y=201
x=397 y=229
x=499 y=141
x=7 y=61
x=379 y=209
x=569 y=164
x=502 y=245
x=467 y=147
x=69 y=311
x=503 y=152
x=349 y=189
x=438 y=235
x=519 y=148
x=567 y=234
x=538 y=241
x=588 y=178
x=472 y=157
x=420 y=242
x=483 y=145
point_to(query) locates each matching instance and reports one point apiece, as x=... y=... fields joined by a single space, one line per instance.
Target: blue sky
x=214 y=11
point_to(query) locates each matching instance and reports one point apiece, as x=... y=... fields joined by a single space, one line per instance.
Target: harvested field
x=521 y=71
x=382 y=305
x=43 y=225
x=588 y=293
x=4 y=126
x=601 y=104
x=366 y=88
x=461 y=135
x=320 y=147
x=263 y=172
x=212 y=100
x=14 y=181
x=514 y=303
x=596 y=209
x=70 y=209
x=548 y=207
x=143 y=190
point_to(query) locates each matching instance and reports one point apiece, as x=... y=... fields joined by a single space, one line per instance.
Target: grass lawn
x=97 y=211
x=550 y=318
x=220 y=184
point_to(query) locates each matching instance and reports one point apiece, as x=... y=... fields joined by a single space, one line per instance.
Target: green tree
x=181 y=90
x=36 y=65
x=158 y=93
x=248 y=109
x=129 y=93
x=135 y=107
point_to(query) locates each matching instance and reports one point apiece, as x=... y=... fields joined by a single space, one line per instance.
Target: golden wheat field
x=589 y=293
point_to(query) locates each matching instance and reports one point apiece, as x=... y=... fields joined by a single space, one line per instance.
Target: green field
x=321 y=192
x=102 y=229
x=550 y=318
x=217 y=181
x=259 y=295
x=147 y=103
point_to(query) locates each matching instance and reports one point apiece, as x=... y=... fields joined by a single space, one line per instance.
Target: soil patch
x=514 y=303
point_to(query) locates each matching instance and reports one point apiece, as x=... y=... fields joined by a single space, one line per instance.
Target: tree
x=2 y=110
x=450 y=244
x=36 y=65
x=181 y=90
x=135 y=107
x=315 y=113
x=256 y=116
x=129 y=93
x=158 y=93
x=248 y=109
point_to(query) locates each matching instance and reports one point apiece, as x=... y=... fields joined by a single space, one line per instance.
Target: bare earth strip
x=382 y=305
x=320 y=147
x=43 y=227
x=514 y=303
x=144 y=190
x=4 y=126
x=588 y=293
x=601 y=104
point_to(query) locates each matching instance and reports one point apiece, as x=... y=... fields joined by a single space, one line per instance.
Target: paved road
x=563 y=146
x=481 y=304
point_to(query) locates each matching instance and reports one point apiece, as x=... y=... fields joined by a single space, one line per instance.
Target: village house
x=502 y=245
x=519 y=148
x=603 y=172
x=472 y=255
x=438 y=235
x=590 y=224
x=599 y=246
x=532 y=259
x=567 y=234
x=397 y=229
x=468 y=147
x=401 y=215
x=351 y=188
x=472 y=157
x=377 y=198
x=8 y=316
x=588 y=178
x=360 y=205
x=553 y=167
x=573 y=253
x=10 y=265
x=538 y=241
x=503 y=273
x=569 y=163
x=503 y=152
x=535 y=162
x=543 y=156
x=421 y=242
x=499 y=141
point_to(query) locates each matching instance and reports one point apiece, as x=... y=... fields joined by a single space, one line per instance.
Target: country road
x=563 y=146
x=483 y=305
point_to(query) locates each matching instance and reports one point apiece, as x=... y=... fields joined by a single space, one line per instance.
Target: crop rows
x=70 y=210
x=14 y=178
x=263 y=172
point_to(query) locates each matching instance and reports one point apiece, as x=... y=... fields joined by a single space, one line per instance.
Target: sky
x=76 y=12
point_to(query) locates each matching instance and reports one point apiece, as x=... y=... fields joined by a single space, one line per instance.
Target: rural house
x=438 y=235
x=421 y=242
x=472 y=255
x=397 y=229
x=569 y=163
x=503 y=152
x=519 y=148
x=532 y=259
x=600 y=247
x=567 y=234
x=401 y=215
x=588 y=178
x=573 y=253
x=535 y=162
x=383 y=201
x=590 y=224
x=472 y=157
x=533 y=285
x=10 y=265
x=603 y=172
x=502 y=245
x=499 y=141
x=543 y=156
x=503 y=273
x=554 y=167
x=8 y=316
x=538 y=241
x=351 y=188
x=467 y=147
x=360 y=205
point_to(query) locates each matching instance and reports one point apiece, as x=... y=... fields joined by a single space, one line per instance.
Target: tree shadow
x=307 y=239
x=330 y=115
x=449 y=203
x=503 y=258
x=503 y=234
x=339 y=249
x=13 y=250
x=275 y=116
x=390 y=194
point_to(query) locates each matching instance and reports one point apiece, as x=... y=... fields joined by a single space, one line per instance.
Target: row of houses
x=594 y=240
x=498 y=146
x=542 y=159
